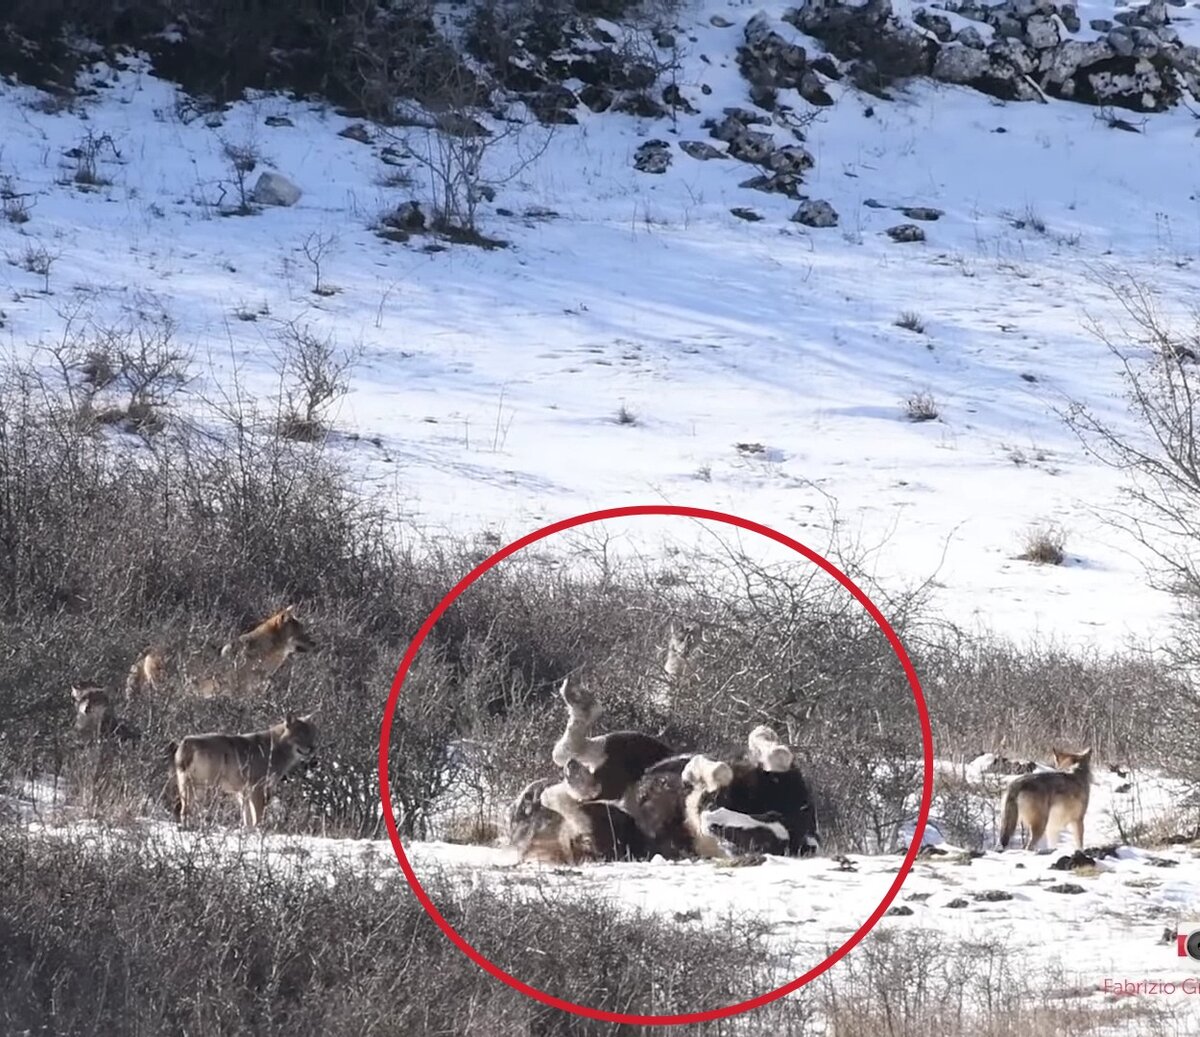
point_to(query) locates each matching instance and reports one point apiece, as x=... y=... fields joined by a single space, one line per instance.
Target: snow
x=491 y=380
x=1110 y=928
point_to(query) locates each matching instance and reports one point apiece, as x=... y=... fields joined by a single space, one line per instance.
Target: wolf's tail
x=1008 y=817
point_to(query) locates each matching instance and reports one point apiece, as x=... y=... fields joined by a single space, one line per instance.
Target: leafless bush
x=315 y=374
x=16 y=205
x=317 y=247
x=390 y=54
x=38 y=258
x=921 y=406
x=1022 y=700
x=243 y=158
x=917 y=983
x=1162 y=382
x=87 y=155
x=1160 y=458
x=1045 y=544
x=465 y=158
x=911 y=321
x=123 y=375
x=230 y=942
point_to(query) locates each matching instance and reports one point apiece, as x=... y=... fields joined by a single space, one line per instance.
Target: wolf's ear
x=76 y=693
x=1083 y=754
x=289 y=719
x=290 y=612
x=1055 y=752
x=307 y=717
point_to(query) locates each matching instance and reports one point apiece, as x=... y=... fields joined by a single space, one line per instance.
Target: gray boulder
x=653 y=157
x=906 y=232
x=700 y=149
x=815 y=213
x=275 y=189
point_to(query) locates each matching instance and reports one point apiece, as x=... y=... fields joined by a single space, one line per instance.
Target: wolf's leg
x=1037 y=829
x=1077 y=831
x=255 y=803
x=185 y=795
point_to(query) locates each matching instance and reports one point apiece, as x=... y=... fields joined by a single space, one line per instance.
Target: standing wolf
x=248 y=765
x=1050 y=800
x=248 y=660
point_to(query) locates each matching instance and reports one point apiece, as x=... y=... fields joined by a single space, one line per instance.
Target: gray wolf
x=681 y=642
x=248 y=661
x=1049 y=800
x=95 y=718
x=247 y=765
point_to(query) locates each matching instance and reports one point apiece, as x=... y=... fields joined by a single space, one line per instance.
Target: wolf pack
x=621 y=795
x=248 y=766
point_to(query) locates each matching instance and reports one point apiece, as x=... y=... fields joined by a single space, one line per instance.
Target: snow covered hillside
x=1085 y=931
x=637 y=342
x=881 y=365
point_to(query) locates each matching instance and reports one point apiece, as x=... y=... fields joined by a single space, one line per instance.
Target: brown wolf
x=249 y=660
x=681 y=643
x=95 y=718
x=1050 y=800
x=248 y=765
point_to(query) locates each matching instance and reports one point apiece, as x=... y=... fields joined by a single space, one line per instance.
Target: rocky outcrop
x=557 y=67
x=749 y=138
x=770 y=63
x=1022 y=50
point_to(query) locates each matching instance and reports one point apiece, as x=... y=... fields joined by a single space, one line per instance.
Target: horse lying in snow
x=626 y=795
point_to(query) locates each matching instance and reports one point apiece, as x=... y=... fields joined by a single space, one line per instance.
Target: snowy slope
x=492 y=378
x=1103 y=923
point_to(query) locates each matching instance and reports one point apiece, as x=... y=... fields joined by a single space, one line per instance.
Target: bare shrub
x=391 y=53
x=16 y=205
x=1160 y=457
x=243 y=158
x=123 y=375
x=1020 y=700
x=1029 y=219
x=230 y=943
x=315 y=374
x=317 y=247
x=1161 y=462
x=915 y=983
x=466 y=150
x=1044 y=544
x=921 y=406
x=38 y=258
x=87 y=155
x=911 y=321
